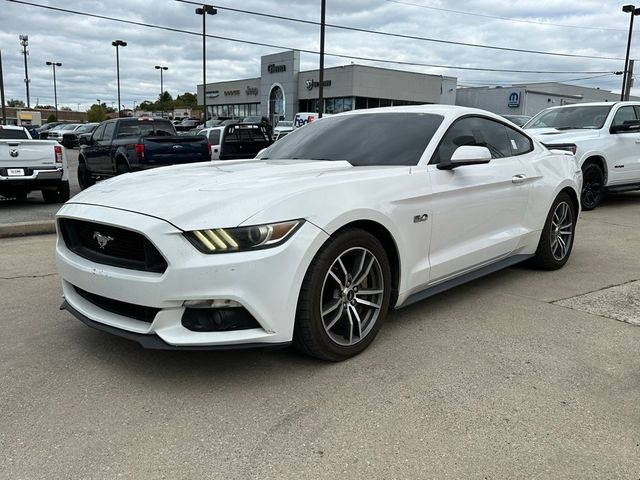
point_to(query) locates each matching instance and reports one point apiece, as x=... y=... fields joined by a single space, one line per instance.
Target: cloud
x=83 y=44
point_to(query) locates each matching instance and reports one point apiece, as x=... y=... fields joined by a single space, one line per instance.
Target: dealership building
x=282 y=89
x=529 y=99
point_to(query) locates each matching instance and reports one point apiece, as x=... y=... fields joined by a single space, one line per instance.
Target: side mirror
x=627 y=126
x=466 y=155
x=82 y=140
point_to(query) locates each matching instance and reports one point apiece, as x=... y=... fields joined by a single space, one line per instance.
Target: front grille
x=130 y=310
x=120 y=247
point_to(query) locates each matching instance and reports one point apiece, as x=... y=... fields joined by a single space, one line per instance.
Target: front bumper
x=265 y=282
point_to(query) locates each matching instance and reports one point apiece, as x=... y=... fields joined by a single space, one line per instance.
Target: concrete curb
x=23 y=229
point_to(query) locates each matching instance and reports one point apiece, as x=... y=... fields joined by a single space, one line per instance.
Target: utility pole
x=629 y=81
x=321 y=76
x=117 y=44
x=4 y=109
x=633 y=11
x=55 y=88
x=24 y=41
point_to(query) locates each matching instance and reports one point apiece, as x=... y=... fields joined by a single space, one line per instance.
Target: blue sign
x=514 y=100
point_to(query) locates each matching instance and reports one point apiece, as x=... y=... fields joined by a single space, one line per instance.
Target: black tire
x=122 y=168
x=60 y=195
x=555 y=246
x=84 y=176
x=337 y=341
x=592 y=186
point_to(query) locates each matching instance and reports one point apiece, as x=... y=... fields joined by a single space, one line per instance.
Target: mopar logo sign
x=514 y=100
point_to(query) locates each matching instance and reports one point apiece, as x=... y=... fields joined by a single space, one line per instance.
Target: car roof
x=435 y=109
x=12 y=127
x=594 y=104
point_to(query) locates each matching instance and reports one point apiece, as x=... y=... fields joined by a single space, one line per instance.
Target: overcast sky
x=83 y=45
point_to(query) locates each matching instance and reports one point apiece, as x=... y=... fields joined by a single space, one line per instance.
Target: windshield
x=364 y=139
x=86 y=128
x=569 y=118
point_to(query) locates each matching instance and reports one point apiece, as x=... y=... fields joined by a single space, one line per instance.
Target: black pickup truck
x=125 y=145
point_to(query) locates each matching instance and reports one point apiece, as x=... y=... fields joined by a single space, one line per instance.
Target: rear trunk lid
x=27 y=154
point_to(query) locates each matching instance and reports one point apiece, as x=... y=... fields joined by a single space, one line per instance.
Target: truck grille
x=130 y=310
x=111 y=245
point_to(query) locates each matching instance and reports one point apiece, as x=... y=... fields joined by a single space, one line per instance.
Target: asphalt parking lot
x=507 y=377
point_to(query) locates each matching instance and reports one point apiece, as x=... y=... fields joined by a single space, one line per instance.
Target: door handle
x=517 y=179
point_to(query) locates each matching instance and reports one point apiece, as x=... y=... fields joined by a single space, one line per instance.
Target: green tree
x=51 y=118
x=97 y=113
x=15 y=103
x=146 y=105
x=187 y=99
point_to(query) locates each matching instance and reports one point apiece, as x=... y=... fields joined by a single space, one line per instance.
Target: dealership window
x=239 y=110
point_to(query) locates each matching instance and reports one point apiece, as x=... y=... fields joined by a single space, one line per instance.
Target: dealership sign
x=273 y=68
x=251 y=90
x=311 y=84
x=232 y=92
x=213 y=93
x=514 y=99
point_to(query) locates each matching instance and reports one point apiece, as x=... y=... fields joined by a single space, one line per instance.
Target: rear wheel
x=557 y=236
x=592 y=186
x=59 y=195
x=84 y=176
x=344 y=297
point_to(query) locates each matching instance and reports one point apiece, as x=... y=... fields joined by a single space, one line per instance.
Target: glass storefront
x=236 y=110
x=344 y=104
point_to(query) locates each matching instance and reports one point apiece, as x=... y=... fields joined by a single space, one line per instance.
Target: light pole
x=204 y=11
x=161 y=68
x=321 y=73
x=24 y=41
x=55 y=90
x=117 y=44
x=633 y=11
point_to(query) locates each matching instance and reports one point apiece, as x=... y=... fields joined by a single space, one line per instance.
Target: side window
x=624 y=114
x=214 y=137
x=519 y=143
x=108 y=131
x=474 y=131
x=99 y=133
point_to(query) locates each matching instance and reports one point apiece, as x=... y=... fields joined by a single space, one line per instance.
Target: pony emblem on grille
x=101 y=239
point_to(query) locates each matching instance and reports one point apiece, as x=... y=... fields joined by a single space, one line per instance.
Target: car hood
x=551 y=135
x=220 y=194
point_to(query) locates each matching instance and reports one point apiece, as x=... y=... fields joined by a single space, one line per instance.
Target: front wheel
x=84 y=176
x=556 y=241
x=344 y=297
x=592 y=186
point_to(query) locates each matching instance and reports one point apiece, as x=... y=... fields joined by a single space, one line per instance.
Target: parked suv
x=605 y=137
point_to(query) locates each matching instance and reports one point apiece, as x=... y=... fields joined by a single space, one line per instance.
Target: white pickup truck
x=605 y=138
x=27 y=165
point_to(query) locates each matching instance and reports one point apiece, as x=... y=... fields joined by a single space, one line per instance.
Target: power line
x=515 y=82
x=475 y=14
x=281 y=47
x=405 y=36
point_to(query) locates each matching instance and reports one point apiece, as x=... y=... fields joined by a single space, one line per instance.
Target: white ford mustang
x=313 y=241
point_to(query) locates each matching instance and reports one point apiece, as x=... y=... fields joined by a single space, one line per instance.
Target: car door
x=91 y=151
x=105 y=162
x=478 y=211
x=624 y=161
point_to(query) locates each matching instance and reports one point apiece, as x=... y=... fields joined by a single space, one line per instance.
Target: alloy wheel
x=561 y=231
x=593 y=187
x=352 y=296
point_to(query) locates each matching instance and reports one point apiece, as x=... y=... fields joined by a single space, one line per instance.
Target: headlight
x=225 y=240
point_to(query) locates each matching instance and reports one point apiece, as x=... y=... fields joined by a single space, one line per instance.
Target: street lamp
x=633 y=11
x=55 y=91
x=204 y=11
x=117 y=44
x=161 y=68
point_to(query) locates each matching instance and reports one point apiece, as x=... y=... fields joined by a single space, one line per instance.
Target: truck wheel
x=592 y=186
x=84 y=176
x=60 y=195
x=122 y=168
